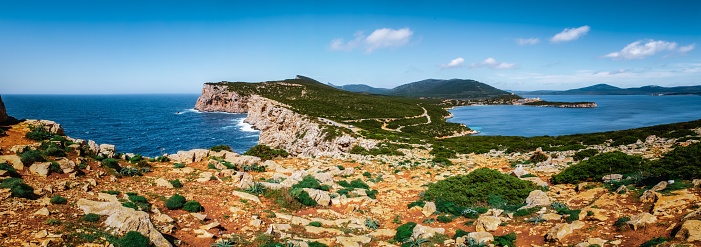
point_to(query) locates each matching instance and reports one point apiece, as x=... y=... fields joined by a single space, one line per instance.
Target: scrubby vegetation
x=133 y=239
x=266 y=153
x=175 y=202
x=222 y=147
x=404 y=231
x=597 y=166
x=193 y=206
x=58 y=200
x=18 y=188
x=682 y=162
x=477 y=187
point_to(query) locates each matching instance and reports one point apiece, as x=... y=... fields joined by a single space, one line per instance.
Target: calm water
x=147 y=124
x=614 y=112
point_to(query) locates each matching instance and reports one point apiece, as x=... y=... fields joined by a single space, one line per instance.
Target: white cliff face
x=279 y=126
x=217 y=98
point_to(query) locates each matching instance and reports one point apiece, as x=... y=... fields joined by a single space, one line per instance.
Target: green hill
x=405 y=116
x=449 y=89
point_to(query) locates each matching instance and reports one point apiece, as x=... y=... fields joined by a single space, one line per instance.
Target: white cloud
x=629 y=75
x=454 y=63
x=380 y=38
x=642 y=49
x=688 y=48
x=527 y=41
x=492 y=63
x=570 y=34
x=387 y=37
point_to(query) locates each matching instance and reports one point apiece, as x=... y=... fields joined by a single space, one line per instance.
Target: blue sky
x=109 y=47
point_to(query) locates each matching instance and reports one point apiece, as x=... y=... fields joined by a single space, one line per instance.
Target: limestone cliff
x=279 y=126
x=3 y=112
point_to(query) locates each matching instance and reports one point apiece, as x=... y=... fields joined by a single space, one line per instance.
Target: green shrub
x=598 y=166
x=355 y=184
x=266 y=153
x=55 y=168
x=460 y=233
x=358 y=150
x=505 y=240
x=654 y=242
x=139 y=202
x=175 y=202
x=303 y=197
x=404 y=231
x=222 y=147
x=38 y=133
x=193 y=206
x=418 y=203
x=111 y=192
x=112 y=163
x=58 y=200
x=18 y=188
x=316 y=244
x=91 y=217
x=477 y=186
x=371 y=193
x=444 y=219
x=372 y=224
x=178 y=165
x=308 y=182
x=31 y=156
x=133 y=239
x=55 y=151
x=315 y=223
x=176 y=183
x=538 y=157
x=682 y=162
x=10 y=170
x=621 y=223
x=585 y=154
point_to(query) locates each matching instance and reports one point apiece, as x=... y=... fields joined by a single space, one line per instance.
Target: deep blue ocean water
x=614 y=112
x=147 y=124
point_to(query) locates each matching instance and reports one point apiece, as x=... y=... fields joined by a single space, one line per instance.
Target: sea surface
x=150 y=125
x=614 y=112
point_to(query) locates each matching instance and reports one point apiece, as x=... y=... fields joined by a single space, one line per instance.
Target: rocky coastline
x=279 y=126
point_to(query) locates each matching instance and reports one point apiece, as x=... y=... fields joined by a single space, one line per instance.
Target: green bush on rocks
x=477 y=187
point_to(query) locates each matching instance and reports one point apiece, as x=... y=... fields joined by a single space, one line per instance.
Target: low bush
x=315 y=223
x=316 y=244
x=303 y=197
x=460 y=233
x=444 y=219
x=31 y=156
x=130 y=171
x=538 y=157
x=58 y=200
x=178 y=165
x=476 y=188
x=266 y=153
x=598 y=166
x=175 y=202
x=358 y=150
x=586 y=153
x=682 y=162
x=621 y=223
x=91 y=217
x=505 y=240
x=133 y=239
x=38 y=133
x=307 y=182
x=193 y=206
x=222 y=147
x=9 y=170
x=18 y=188
x=176 y=183
x=112 y=163
x=654 y=242
x=404 y=231
x=137 y=202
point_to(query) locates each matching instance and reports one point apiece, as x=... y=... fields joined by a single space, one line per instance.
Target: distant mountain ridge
x=434 y=88
x=605 y=89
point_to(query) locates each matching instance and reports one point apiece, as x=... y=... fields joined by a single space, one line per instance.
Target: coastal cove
x=148 y=124
x=614 y=112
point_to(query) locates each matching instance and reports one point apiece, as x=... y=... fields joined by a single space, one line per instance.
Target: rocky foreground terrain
x=250 y=204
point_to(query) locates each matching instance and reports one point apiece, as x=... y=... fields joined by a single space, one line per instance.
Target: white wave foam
x=191 y=110
x=245 y=127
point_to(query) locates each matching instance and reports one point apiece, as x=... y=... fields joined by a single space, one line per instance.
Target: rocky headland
x=279 y=126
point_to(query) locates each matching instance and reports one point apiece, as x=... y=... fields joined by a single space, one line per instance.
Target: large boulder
x=242 y=180
x=537 y=198
x=481 y=237
x=50 y=126
x=191 y=156
x=641 y=220
x=426 y=231
x=3 y=112
x=560 y=231
x=67 y=166
x=487 y=223
x=107 y=150
x=41 y=169
x=690 y=231
x=428 y=209
x=122 y=220
x=321 y=197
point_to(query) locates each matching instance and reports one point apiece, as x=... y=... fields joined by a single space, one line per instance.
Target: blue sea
x=150 y=125
x=614 y=112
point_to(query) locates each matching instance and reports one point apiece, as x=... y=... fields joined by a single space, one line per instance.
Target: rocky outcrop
x=690 y=231
x=50 y=126
x=279 y=126
x=122 y=219
x=3 y=112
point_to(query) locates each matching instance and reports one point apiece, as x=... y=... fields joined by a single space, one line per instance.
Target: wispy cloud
x=380 y=38
x=527 y=41
x=492 y=63
x=455 y=63
x=642 y=49
x=570 y=34
x=630 y=75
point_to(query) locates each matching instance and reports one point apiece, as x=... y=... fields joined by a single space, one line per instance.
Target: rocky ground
x=233 y=210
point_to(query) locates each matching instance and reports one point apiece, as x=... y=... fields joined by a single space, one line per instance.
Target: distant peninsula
x=605 y=89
